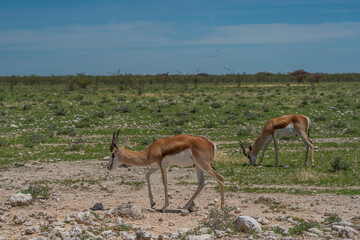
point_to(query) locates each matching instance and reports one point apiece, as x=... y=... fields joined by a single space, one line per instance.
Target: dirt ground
x=67 y=198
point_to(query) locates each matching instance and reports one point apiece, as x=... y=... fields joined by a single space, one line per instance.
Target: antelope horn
x=117 y=135
x=242 y=146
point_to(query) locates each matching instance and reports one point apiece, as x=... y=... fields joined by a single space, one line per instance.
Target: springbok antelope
x=284 y=126
x=182 y=150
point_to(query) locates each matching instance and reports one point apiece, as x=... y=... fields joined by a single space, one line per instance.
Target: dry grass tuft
x=220 y=156
x=307 y=175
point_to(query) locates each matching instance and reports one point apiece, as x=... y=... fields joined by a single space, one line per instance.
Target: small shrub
x=338 y=165
x=339 y=124
x=4 y=142
x=38 y=191
x=74 y=147
x=29 y=120
x=26 y=107
x=146 y=141
x=304 y=226
x=244 y=132
x=32 y=140
x=333 y=218
x=85 y=103
x=304 y=102
x=215 y=105
x=320 y=118
x=220 y=219
x=178 y=130
x=99 y=114
x=194 y=110
x=210 y=124
x=350 y=130
x=79 y=98
x=59 y=111
x=83 y=123
x=67 y=131
x=123 y=109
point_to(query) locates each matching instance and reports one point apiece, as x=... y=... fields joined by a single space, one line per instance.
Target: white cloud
x=164 y=34
x=279 y=33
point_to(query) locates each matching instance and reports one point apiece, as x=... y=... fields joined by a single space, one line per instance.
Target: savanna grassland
x=64 y=122
x=71 y=119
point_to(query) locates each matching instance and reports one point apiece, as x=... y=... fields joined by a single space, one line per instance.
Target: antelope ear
x=250 y=148
x=126 y=141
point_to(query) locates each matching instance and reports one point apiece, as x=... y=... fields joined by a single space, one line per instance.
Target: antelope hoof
x=163 y=209
x=152 y=204
x=191 y=208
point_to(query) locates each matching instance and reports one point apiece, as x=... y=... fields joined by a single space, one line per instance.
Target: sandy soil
x=65 y=199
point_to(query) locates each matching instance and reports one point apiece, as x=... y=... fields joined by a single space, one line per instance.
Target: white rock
x=247 y=224
x=107 y=234
x=268 y=200
x=316 y=231
x=183 y=231
x=264 y=221
x=19 y=220
x=128 y=210
x=20 y=199
x=219 y=233
x=200 y=237
x=204 y=230
x=144 y=235
x=76 y=231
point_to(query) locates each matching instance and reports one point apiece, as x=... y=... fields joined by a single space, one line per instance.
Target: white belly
x=288 y=131
x=182 y=159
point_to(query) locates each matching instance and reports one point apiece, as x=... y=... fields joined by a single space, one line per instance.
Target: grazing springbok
x=284 y=126
x=182 y=150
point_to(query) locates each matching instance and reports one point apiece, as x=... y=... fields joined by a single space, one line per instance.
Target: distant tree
x=299 y=75
x=317 y=77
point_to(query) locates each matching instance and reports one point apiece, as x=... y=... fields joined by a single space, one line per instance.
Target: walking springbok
x=182 y=150
x=284 y=126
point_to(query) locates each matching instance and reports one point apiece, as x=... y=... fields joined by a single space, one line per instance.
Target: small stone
x=21 y=199
x=171 y=223
x=184 y=212
x=247 y=224
x=128 y=210
x=237 y=210
x=19 y=220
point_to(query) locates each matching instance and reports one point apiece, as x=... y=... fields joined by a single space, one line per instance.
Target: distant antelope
x=284 y=126
x=165 y=75
x=182 y=150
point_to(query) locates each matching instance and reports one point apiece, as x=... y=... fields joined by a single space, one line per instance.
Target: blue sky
x=46 y=37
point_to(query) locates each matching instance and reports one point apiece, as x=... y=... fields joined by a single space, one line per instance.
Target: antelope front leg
x=265 y=147
x=148 y=174
x=164 y=178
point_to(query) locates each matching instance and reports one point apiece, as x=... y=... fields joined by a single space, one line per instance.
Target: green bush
x=220 y=219
x=339 y=165
x=244 y=132
x=67 y=131
x=4 y=142
x=26 y=107
x=38 y=191
x=32 y=140
x=123 y=109
x=215 y=105
x=304 y=226
x=333 y=218
x=74 y=147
